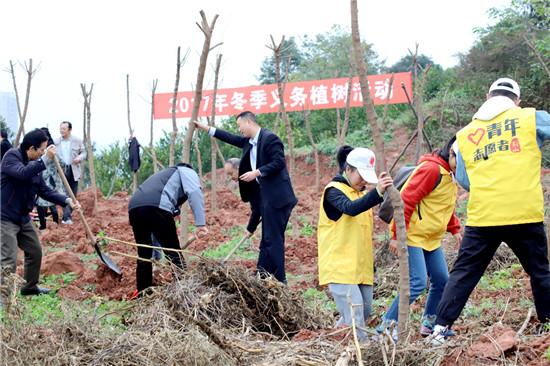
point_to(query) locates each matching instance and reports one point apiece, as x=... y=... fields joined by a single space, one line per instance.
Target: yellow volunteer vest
x=503 y=163
x=345 y=245
x=428 y=223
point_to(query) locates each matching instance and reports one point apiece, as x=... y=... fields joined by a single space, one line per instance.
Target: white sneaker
x=67 y=222
x=439 y=336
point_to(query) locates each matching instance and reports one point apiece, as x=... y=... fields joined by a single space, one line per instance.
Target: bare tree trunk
x=134 y=174
x=207 y=30
x=397 y=203
x=151 y=146
x=419 y=103
x=345 y=127
x=220 y=154
x=338 y=127
x=315 y=152
x=199 y=158
x=22 y=115
x=281 y=90
x=128 y=104
x=87 y=106
x=213 y=151
x=174 y=133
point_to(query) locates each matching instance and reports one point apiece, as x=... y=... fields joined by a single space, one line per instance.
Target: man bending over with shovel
x=21 y=181
x=152 y=209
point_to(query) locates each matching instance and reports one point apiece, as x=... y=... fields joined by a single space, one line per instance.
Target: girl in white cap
x=344 y=236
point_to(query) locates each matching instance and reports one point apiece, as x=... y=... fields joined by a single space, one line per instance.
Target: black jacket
x=336 y=203
x=274 y=183
x=133 y=154
x=20 y=181
x=5 y=145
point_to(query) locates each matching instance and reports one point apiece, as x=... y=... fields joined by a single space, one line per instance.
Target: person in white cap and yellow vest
x=499 y=161
x=344 y=236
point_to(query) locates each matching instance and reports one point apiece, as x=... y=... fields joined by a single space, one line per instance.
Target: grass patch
x=50 y=308
x=499 y=280
x=315 y=298
x=223 y=250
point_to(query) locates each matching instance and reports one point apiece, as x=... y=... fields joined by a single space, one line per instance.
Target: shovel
x=104 y=257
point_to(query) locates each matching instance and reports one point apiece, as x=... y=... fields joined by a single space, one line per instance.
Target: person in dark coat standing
x=5 y=145
x=20 y=182
x=263 y=169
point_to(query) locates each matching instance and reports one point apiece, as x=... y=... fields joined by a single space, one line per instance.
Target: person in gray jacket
x=152 y=209
x=71 y=153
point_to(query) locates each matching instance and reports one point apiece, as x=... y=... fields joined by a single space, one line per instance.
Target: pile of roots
x=210 y=314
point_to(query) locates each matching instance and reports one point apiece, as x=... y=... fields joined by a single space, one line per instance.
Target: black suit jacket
x=274 y=183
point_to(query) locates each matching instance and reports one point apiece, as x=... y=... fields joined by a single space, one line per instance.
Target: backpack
x=385 y=212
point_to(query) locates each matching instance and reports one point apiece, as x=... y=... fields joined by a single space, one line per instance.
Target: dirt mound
x=62 y=262
x=498 y=341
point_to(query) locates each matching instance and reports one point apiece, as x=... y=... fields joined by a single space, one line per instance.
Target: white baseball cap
x=364 y=160
x=505 y=84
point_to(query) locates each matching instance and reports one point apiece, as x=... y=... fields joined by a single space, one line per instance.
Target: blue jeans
x=360 y=296
x=424 y=264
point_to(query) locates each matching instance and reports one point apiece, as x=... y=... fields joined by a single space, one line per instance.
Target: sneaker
x=440 y=335
x=427 y=326
x=134 y=295
x=67 y=222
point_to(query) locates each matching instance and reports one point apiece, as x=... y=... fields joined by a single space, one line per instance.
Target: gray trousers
x=25 y=237
x=360 y=296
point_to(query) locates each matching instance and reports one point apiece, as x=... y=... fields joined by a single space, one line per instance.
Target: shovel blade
x=107 y=260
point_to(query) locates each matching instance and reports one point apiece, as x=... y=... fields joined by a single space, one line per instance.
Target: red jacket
x=420 y=186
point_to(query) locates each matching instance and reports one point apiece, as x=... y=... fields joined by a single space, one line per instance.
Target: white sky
x=101 y=41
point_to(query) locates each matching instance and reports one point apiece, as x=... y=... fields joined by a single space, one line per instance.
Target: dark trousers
x=152 y=220
x=42 y=213
x=67 y=210
x=24 y=237
x=272 y=246
x=255 y=212
x=527 y=241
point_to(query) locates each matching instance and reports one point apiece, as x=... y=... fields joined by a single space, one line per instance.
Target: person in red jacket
x=429 y=196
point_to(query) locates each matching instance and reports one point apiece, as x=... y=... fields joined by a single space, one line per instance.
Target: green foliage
x=315 y=298
x=475 y=311
x=50 y=308
x=547 y=354
x=510 y=47
x=291 y=58
x=498 y=280
x=307 y=228
x=223 y=250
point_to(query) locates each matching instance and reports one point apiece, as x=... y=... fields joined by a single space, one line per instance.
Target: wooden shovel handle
x=72 y=196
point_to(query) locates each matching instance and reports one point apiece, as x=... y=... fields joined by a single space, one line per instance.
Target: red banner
x=308 y=95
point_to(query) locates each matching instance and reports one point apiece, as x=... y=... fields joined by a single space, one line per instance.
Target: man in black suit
x=263 y=174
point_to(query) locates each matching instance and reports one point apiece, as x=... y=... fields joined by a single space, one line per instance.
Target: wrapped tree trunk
x=213 y=144
x=22 y=115
x=151 y=146
x=87 y=122
x=397 y=203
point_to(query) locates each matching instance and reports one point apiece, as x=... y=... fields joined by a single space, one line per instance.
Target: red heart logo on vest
x=477 y=136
